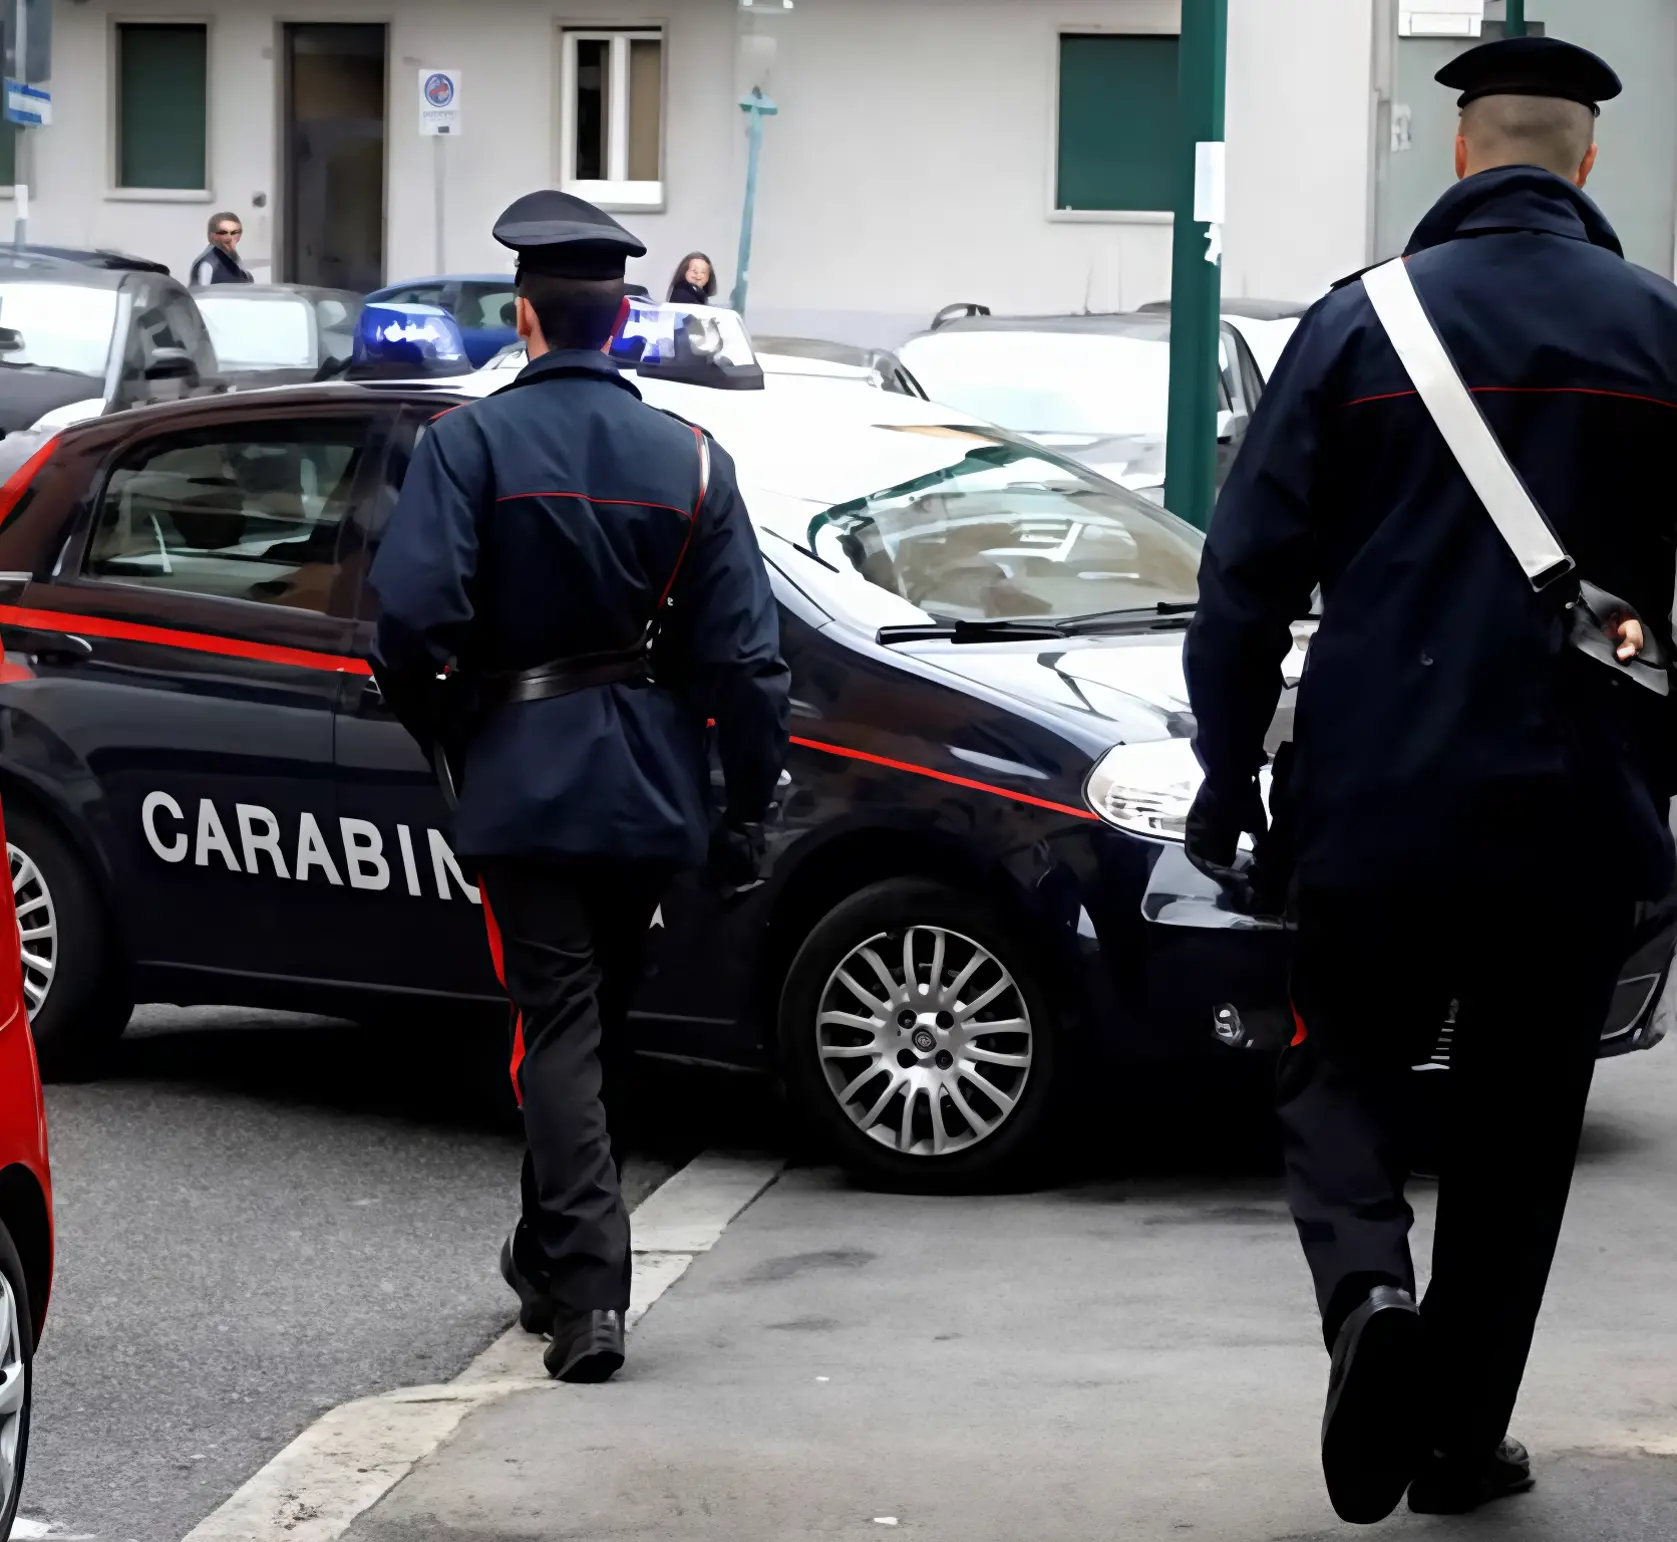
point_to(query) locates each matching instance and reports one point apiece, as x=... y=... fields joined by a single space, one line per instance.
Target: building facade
x=1011 y=152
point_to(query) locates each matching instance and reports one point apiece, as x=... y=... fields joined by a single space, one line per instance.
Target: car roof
x=31 y=268
x=278 y=292
x=1246 y=309
x=448 y=278
x=1145 y=325
x=99 y=257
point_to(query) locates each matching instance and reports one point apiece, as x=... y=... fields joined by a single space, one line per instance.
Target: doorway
x=334 y=105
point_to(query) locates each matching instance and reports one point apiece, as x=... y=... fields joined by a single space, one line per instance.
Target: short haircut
x=1544 y=131
x=216 y=219
x=573 y=312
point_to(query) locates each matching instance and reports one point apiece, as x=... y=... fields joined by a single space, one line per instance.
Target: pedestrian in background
x=1480 y=783
x=694 y=282
x=584 y=567
x=219 y=263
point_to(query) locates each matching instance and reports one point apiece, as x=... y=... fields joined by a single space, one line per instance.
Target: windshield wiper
x=973 y=631
x=1175 y=612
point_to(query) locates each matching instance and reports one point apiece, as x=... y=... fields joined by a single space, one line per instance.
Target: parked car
x=278 y=334
x=876 y=367
x=78 y=341
x=480 y=303
x=976 y=894
x=1265 y=325
x=28 y=914
x=1094 y=387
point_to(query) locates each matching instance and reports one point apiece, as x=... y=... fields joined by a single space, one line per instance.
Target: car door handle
x=55 y=647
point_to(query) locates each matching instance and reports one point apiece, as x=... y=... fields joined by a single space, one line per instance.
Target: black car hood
x=25 y=394
x=1109 y=689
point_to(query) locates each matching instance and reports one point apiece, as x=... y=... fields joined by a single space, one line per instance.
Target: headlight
x=1148 y=788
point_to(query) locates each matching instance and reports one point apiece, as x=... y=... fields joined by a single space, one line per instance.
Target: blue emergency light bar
x=697 y=344
x=406 y=342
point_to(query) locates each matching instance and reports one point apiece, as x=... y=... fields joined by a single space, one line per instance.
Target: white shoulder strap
x=1432 y=371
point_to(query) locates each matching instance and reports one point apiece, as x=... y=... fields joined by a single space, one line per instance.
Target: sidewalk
x=1113 y=1361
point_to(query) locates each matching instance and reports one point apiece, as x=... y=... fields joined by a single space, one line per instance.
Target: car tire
x=73 y=984
x=983 y=1094
x=17 y=1362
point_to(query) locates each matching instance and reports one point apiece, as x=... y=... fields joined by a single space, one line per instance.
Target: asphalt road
x=260 y=1217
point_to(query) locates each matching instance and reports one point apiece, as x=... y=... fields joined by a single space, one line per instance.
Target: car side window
x=249 y=511
x=484 y=305
x=416 y=294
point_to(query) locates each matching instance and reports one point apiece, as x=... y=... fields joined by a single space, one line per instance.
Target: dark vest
x=224 y=268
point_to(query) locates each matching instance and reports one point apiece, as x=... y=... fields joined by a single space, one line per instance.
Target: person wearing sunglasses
x=219 y=263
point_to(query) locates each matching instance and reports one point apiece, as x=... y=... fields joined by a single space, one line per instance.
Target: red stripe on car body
x=943 y=776
x=169 y=637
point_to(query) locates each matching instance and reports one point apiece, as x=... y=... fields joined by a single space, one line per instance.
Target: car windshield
x=1003 y=530
x=1103 y=385
x=259 y=334
x=57 y=326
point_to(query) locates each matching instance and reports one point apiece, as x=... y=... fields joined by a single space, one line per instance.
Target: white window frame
x=115 y=192
x=617 y=191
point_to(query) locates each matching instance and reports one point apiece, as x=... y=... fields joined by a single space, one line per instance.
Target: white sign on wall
x=1441 y=18
x=439 y=102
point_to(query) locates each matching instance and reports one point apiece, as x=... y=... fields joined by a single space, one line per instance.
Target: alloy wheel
x=14 y=1393
x=925 y=1040
x=37 y=923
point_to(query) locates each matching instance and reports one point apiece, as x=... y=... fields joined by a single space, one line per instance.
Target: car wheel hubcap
x=925 y=1040
x=14 y=1387
x=37 y=924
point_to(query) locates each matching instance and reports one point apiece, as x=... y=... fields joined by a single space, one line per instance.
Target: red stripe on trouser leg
x=497 y=958
x=1300 y=1032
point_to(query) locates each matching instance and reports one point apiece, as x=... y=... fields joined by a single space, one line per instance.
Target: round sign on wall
x=439 y=90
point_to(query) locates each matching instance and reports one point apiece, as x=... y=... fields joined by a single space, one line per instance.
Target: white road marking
x=353 y=1456
x=26 y=1530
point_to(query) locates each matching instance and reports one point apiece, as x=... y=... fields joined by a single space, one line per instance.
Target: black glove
x=736 y=855
x=1211 y=838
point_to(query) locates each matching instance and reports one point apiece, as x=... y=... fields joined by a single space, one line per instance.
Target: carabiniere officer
x=1476 y=805
x=570 y=589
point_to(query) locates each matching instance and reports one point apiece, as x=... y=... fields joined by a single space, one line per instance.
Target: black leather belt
x=563 y=677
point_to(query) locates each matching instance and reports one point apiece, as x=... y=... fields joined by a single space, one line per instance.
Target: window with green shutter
x=1117 y=131
x=162 y=96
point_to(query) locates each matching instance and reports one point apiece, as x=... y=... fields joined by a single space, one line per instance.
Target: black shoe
x=1371 y=1443
x=586 y=1347
x=1445 y=1487
x=536 y=1309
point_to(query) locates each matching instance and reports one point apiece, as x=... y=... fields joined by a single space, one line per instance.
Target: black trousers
x=568 y=940
x=1375 y=976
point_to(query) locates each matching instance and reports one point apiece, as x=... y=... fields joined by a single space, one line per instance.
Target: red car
x=25 y=1181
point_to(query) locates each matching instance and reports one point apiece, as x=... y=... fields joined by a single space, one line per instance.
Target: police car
x=976 y=891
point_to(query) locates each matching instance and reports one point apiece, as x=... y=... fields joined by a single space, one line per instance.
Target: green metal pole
x=758 y=107
x=1195 y=285
x=1514 y=24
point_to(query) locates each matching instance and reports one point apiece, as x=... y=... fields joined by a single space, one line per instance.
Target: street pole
x=756 y=106
x=1514 y=23
x=439 y=196
x=1196 y=263
x=23 y=167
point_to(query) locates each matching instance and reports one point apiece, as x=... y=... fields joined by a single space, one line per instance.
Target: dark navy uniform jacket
x=544 y=523
x=1443 y=732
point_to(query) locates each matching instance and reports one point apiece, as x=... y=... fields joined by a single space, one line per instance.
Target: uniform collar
x=575 y=361
x=1515 y=198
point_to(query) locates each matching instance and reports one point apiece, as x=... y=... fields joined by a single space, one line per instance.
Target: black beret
x=557 y=233
x=1532 y=66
